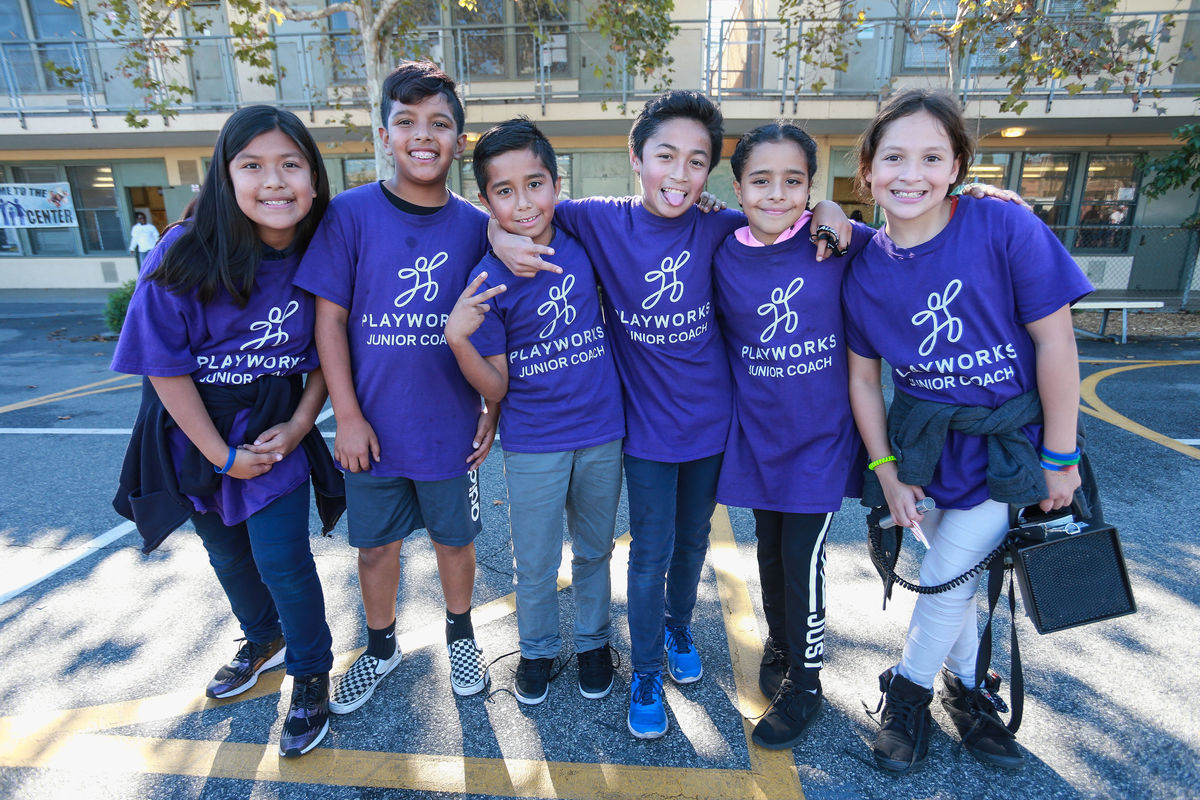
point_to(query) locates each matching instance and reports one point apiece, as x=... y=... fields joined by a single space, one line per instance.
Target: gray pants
x=587 y=484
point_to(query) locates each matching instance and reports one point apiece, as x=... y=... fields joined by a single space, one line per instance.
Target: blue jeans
x=670 y=508
x=587 y=483
x=267 y=571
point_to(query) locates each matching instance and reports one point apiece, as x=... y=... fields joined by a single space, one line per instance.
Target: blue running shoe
x=683 y=662
x=647 y=717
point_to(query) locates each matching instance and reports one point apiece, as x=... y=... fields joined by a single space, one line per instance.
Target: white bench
x=1113 y=305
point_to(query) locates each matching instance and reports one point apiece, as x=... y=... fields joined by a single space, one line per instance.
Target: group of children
x=705 y=356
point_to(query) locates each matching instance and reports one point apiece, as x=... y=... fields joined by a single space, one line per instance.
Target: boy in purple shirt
x=540 y=349
x=410 y=432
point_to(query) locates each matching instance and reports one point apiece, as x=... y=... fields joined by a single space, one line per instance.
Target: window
x=1110 y=193
x=358 y=171
x=843 y=164
x=1045 y=184
x=504 y=41
x=46 y=23
x=930 y=54
x=990 y=168
x=96 y=206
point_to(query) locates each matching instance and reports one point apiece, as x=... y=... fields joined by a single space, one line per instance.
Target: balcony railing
x=730 y=59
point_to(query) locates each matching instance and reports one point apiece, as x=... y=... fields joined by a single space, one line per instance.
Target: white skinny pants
x=944 y=628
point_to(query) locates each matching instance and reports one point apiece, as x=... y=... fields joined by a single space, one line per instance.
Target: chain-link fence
x=1140 y=262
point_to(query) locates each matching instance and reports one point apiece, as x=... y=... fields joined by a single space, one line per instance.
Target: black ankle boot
x=792 y=710
x=903 y=740
x=983 y=733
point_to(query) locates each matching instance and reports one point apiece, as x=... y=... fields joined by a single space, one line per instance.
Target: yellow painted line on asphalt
x=71 y=394
x=776 y=769
x=76 y=740
x=1100 y=410
x=510 y=777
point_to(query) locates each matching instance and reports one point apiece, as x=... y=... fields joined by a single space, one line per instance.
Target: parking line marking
x=74 y=739
x=508 y=777
x=1100 y=410
x=67 y=558
x=776 y=768
x=70 y=394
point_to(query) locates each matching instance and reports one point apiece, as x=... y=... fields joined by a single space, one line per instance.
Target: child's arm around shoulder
x=488 y=375
x=355 y=444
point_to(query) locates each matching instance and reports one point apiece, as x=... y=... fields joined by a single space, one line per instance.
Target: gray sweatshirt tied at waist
x=917 y=430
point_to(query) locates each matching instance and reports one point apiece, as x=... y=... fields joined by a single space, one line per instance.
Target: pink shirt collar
x=744 y=235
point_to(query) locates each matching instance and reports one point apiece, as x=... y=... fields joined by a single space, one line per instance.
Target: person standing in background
x=142 y=237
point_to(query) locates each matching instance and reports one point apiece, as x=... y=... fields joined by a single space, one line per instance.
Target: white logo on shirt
x=668 y=281
x=274 y=334
x=779 y=300
x=950 y=323
x=421 y=273
x=558 y=306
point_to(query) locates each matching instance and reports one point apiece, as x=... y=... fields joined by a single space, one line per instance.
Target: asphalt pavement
x=104 y=652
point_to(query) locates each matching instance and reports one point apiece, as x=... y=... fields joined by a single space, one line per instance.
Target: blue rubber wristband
x=1067 y=457
x=228 y=464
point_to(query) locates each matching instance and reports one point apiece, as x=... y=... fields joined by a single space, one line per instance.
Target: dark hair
x=516 y=134
x=220 y=247
x=778 y=131
x=942 y=107
x=679 y=104
x=412 y=82
x=137 y=214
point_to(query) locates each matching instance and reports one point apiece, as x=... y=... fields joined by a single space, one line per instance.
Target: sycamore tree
x=1083 y=44
x=153 y=42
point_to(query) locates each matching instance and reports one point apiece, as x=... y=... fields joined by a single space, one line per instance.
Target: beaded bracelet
x=879 y=461
x=228 y=464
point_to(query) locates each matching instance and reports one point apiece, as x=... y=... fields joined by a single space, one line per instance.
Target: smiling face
x=774 y=188
x=273 y=184
x=673 y=167
x=521 y=195
x=911 y=175
x=423 y=140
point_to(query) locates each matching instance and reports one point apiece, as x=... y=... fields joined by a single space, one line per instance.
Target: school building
x=1074 y=156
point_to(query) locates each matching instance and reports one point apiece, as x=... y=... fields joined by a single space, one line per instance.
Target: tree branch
x=285 y=8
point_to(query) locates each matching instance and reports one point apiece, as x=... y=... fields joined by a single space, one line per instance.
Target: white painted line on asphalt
x=324 y=415
x=1192 y=442
x=66 y=559
x=83 y=431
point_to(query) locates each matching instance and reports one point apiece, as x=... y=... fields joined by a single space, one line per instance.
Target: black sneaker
x=773 y=668
x=974 y=714
x=308 y=717
x=533 y=679
x=903 y=740
x=242 y=672
x=595 y=672
x=791 y=711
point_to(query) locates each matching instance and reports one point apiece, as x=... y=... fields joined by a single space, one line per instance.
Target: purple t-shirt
x=399 y=275
x=792 y=444
x=656 y=275
x=563 y=391
x=168 y=335
x=949 y=317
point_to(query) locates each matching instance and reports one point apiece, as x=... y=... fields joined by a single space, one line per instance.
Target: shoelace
x=682 y=637
x=590 y=659
x=648 y=687
x=306 y=693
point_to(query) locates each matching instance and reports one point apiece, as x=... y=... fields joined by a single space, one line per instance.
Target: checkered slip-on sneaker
x=468 y=673
x=358 y=684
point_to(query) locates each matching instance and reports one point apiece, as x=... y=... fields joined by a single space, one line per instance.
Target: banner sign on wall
x=37 y=205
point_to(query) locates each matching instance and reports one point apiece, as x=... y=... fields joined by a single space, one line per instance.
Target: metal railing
x=730 y=59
